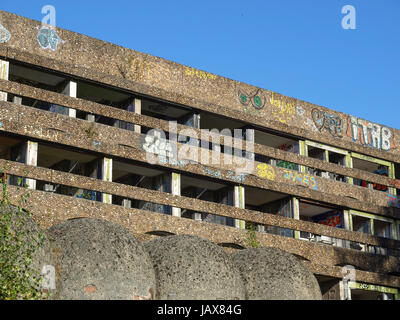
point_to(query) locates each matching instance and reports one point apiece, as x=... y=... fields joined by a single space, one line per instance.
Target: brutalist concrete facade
x=323 y=185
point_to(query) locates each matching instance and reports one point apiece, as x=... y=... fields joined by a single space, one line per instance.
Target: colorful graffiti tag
x=4 y=34
x=393 y=201
x=48 y=38
x=331 y=123
x=256 y=100
x=294 y=148
x=304 y=179
x=370 y=134
x=332 y=218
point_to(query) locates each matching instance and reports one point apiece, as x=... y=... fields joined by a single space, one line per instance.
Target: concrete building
x=76 y=124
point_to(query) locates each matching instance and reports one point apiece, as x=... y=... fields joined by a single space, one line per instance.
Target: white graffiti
x=370 y=134
x=154 y=145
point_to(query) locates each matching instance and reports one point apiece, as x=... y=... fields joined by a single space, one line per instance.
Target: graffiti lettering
x=257 y=101
x=229 y=175
x=323 y=120
x=370 y=134
x=332 y=218
x=200 y=74
x=4 y=34
x=282 y=111
x=304 y=179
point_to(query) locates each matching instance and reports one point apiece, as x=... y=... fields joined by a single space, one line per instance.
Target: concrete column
x=138 y=109
x=25 y=153
x=296 y=215
x=31 y=159
x=17 y=100
x=106 y=174
x=126 y=203
x=29 y=152
x=239 y=202
x=90 y=118
x=71 y=90
x=4 y=70
x=176 y=190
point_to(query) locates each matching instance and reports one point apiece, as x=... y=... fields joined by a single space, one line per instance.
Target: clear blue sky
x=297 y=48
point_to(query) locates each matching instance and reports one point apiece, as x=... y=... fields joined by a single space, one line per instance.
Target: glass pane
x=361 y=224
x=382 y=228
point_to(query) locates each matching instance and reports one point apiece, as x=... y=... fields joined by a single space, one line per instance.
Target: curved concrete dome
x=189 y=267
x=98 y=259
x=273 y=274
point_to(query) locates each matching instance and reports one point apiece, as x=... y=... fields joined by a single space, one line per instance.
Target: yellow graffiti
x=266 y=171
x=200 y=74
x=304 y=179
x=282 y=111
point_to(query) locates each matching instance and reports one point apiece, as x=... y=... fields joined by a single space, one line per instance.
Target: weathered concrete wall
x=90 y=58
x=50 y=209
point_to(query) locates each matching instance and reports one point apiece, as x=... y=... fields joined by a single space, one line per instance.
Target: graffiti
x=383 y=171
x=4 y=34
x=199 y=74
x=238 y=178
x=370 y=134
x=229 y=175
x=96 y=144
x=294 y=148
x=256 y=100
x=332 y=218
x=266 y=171
x=282 y=111
x=323 y=120
x=304 y=179
x=48 y=38
x=163 y=149
x=393 y=201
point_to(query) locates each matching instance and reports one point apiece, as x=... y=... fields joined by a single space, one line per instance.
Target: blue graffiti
x=96 y=144
x=4 y=34
x=48 y=38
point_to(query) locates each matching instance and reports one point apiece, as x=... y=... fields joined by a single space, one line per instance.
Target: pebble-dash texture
x=98 y=259
x=93 y=59
x=191 y=268
x=273 y=274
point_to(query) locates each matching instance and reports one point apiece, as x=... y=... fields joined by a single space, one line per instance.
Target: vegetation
x=251 y=231
x=18 y=279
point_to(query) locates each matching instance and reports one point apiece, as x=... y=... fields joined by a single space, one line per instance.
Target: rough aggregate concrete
x=273 y=274
x=98 y=259
x=189 y=267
